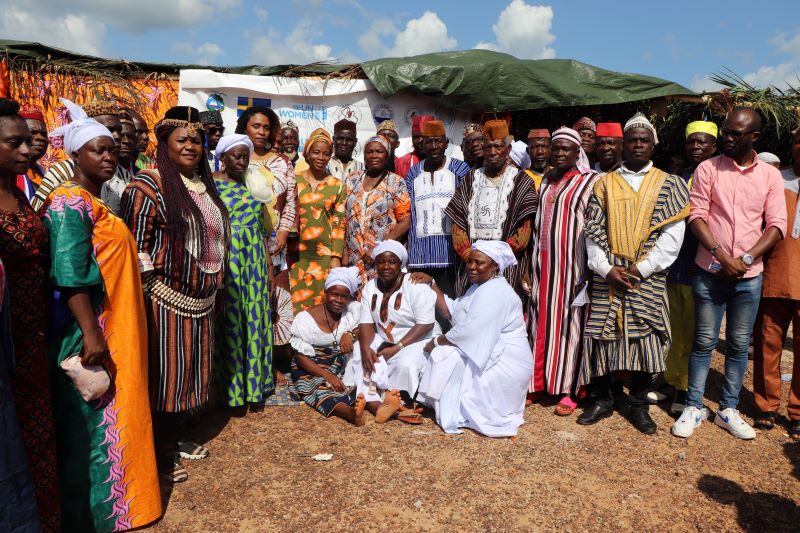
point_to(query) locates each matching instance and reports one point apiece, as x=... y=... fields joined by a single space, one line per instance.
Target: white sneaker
x=690 y=419
x=729 y=419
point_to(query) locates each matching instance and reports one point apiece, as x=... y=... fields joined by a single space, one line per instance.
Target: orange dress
x=321 y=237
x=107 y=461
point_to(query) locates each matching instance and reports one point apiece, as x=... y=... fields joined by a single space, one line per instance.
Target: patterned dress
x=372 y=215
x=17 y=498
x=323 y=349
x=107 y=462
x=278 y=171
x=24 y=248
x=321 y=231
x=245 y=332
x=180 y=294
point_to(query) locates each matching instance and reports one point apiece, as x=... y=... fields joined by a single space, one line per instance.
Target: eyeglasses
x=735 y=134
x=213 y=130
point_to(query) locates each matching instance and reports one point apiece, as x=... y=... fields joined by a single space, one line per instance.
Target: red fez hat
x=539 y=134
x=609 y=129
x=433 y=128
x=417 y=121
x=343 y=125
x=496 y=130
x=33 y=112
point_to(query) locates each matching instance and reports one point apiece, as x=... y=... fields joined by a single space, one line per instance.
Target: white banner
x=314 y=103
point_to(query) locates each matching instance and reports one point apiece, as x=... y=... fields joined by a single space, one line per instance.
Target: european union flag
x=243 y=102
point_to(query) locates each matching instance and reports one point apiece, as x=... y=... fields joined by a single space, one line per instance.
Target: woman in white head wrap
x=520 y=156
x=246 y=342
x=94 y=266
x=323 y=336
x=397 y=319
x=478 y=373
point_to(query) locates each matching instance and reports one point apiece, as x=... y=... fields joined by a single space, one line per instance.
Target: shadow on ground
x=756 y=511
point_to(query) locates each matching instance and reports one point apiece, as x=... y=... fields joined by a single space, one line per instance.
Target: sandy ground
x=557 y=475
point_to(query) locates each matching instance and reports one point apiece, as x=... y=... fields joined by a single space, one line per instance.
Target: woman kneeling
x=322 y=336
x=477 y=375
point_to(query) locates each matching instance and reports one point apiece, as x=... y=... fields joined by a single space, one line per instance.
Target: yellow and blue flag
x=243 y=102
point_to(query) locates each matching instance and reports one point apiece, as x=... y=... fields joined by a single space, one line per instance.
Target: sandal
x=794 y=430
x=765 y=421
x=409 y=417
x=174 y=473
x=565 y=407
x=192 y=451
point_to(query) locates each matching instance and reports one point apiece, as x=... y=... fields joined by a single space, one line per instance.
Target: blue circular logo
x=215 y=103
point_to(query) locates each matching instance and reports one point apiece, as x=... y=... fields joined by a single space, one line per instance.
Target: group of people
x=552 y=267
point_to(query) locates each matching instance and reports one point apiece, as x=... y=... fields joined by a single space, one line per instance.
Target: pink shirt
x=738 y=205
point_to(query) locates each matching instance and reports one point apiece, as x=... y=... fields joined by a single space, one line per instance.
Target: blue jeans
x=712 y=297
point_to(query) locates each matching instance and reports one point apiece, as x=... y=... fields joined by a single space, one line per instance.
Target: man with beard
x=106 y=113
x=290 y=135
x=404 y=164
x=539 y=151
x=342 y=164
x=555 y=315
x=738 y=214
x=634 y=229
x=701 y=143
x=212 y=124
x=472 y=145
x=495 y=202
x=608 y=147
x=34 y=118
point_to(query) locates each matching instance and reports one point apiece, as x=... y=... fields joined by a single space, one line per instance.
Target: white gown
x=417 y=305
x=481 y=382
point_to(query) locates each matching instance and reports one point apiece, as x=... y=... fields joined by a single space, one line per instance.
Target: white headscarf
x=499 y=251
x=229 y=141
x=391 y=246
x=640 y=121
x=568 y=134
x=520 y=156
x=346 y=277
x=80 y=131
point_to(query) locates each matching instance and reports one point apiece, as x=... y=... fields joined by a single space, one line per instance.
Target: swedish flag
x=243 y=102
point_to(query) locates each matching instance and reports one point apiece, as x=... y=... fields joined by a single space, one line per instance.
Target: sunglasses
x=213 y=130
x=735 y=134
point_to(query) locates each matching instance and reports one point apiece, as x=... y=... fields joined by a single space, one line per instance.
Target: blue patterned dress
x=244 y=351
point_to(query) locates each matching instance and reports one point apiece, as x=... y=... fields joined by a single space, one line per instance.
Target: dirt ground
x=556 y=476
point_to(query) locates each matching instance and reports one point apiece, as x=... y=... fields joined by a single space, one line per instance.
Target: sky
x=682 y=41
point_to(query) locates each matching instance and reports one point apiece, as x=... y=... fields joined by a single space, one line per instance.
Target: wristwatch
x=747 y=259
x=713 y=250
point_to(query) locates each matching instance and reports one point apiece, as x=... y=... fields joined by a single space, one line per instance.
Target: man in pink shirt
x=738 y=213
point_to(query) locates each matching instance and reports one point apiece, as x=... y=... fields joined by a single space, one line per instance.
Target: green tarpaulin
x=481 y=80
x=472 y=80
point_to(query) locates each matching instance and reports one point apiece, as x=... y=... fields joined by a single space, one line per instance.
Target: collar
x=641 y=172
x=736 y=165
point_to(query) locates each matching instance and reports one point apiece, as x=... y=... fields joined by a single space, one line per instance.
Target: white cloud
x=787 y=46
x=372 y=41
x=132 y=16
x=298 y=47
x=76 y=33
x=524 y=31
x=704 y=84
x=261 y=13
x=423 y=35
x=205 y=54
x=780 y=76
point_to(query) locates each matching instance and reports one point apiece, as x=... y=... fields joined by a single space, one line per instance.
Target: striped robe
x=555 y=328
x=640 y=317
x=521 y=205
x=180 y=347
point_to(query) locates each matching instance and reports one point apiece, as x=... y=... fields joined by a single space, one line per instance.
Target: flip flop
x=765 y=421
x=409 y=416
x=794 y=430
x=175 y=473
x=564 y=409
x=192 y=451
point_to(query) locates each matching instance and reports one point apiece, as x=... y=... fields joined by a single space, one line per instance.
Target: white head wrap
x=229 y=141
x=380 y=139
x=769 y=157
x=81 y=130
x=391 y=246
x=499 y=251
x=520 y=156
x=568 y=134
x=346 y=277
x=640 y=121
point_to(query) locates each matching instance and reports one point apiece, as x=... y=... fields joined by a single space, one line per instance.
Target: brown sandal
x=175 y=474
x=563 y=410
x=409 y=416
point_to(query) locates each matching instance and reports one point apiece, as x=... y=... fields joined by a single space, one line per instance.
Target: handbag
x=91 y=382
